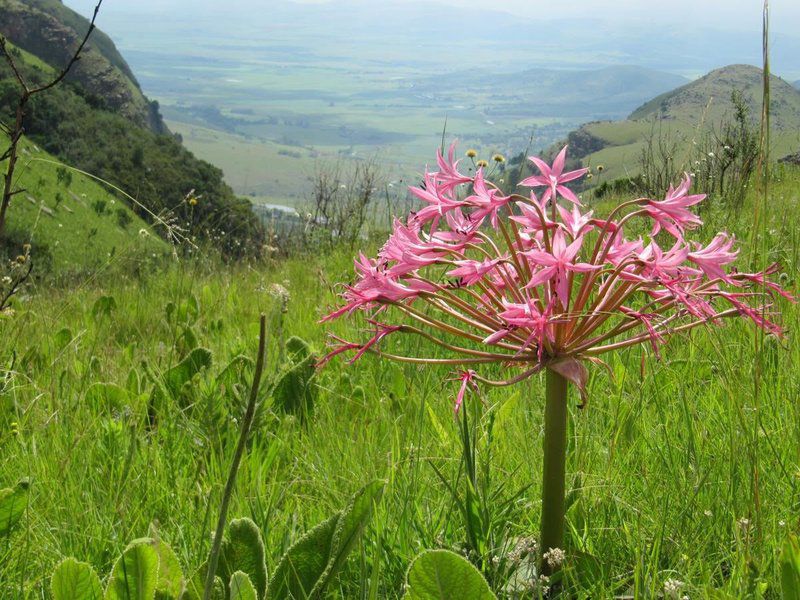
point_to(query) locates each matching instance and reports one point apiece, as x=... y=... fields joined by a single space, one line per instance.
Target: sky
x=721 y=14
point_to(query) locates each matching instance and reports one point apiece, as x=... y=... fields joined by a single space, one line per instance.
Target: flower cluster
x=533 y=282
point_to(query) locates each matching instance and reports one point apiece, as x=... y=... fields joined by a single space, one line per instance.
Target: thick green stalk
x=554 y=469
x=247 y=421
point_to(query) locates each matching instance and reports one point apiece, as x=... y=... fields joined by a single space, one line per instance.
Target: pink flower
x=575 y=222
x=556 y=265
x=713 y=257
x=554 y=178
x=527 y=317
x=532 y=296
x=672 y=213
x=439 y=199
x=375 y=285
x=660 y=266
x=469 y=272
x=487 y=201
x=534 y=216
x=467 y=379
x=448 y=173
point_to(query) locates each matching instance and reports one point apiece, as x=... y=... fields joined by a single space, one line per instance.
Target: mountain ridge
x=51 y=31
x=684 y=114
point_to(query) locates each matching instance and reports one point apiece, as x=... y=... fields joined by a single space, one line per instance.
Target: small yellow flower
x=600 y=168
x=482 y=163
x=499 y=158
x=192 y=201
x=472 y=153
x=589 y=176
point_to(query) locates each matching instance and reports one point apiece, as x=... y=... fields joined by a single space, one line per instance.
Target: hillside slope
x=51 y=31
x=683 y=115
x=77 y=122
x=73 y=224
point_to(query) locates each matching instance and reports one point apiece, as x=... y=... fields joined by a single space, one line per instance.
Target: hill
x=73 y=224
x=51 y=31
x=684 y=114
x=100 y=122
x=609 y=92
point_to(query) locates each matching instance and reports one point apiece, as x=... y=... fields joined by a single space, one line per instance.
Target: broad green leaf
x=790 y=568
x=73 y=580
x=13 y=502
x=297 y=349
x=304 y=563
x=295 y=391
x=313 y=561
x=351 y=525
x=106 y=396
x=233 y=373
x=103 y=307
x=241 y=588
x=61 y=339
x=243 y=550
x=135 y=574
x=444 y=575
x=197 y=360
x=171 y=582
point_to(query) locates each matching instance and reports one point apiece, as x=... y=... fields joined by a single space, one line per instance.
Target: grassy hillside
x=676 y=470
x=81 y=130
x=684 y=114
x=73 y=224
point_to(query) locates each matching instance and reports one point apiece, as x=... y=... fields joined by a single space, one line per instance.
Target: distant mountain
x=100 y=122
x=607 y=93
x=684 y=113
x=709 y=98
x=797 y=84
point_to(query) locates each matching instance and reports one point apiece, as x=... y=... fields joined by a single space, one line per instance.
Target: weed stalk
x=247 y=421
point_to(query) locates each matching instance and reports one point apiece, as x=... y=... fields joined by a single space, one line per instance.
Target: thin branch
x=15 y=286
x=75 y=57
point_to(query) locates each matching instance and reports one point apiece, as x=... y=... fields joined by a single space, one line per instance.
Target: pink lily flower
x=467 y=379
x=538 y=286
x=469 y=272
x=554 y=178
x=448 y=173
x=487 y=201
x=713 y=257
x=556 y=265
x=672 y=212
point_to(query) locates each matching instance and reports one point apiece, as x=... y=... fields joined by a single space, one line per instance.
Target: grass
x=75 y=225
x=674 y=473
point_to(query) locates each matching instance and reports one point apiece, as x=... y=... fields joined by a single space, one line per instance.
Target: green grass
x=73 y=228
x=665 y=462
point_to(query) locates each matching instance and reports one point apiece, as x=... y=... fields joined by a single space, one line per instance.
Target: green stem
x=554 y=468
x=247 y=422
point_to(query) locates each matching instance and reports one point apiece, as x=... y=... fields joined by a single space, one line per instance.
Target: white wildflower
x=672 y=587
x=554 y=557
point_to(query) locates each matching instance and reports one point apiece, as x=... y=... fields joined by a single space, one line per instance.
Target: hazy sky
x=725 y=13
x=721 y=14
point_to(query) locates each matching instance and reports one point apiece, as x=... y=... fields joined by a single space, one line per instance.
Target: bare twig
x=15 y=286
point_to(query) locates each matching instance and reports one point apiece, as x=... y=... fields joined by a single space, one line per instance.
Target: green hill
x=684 y=114
x=51 y=31
x=100 y=122
x=73 y=224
